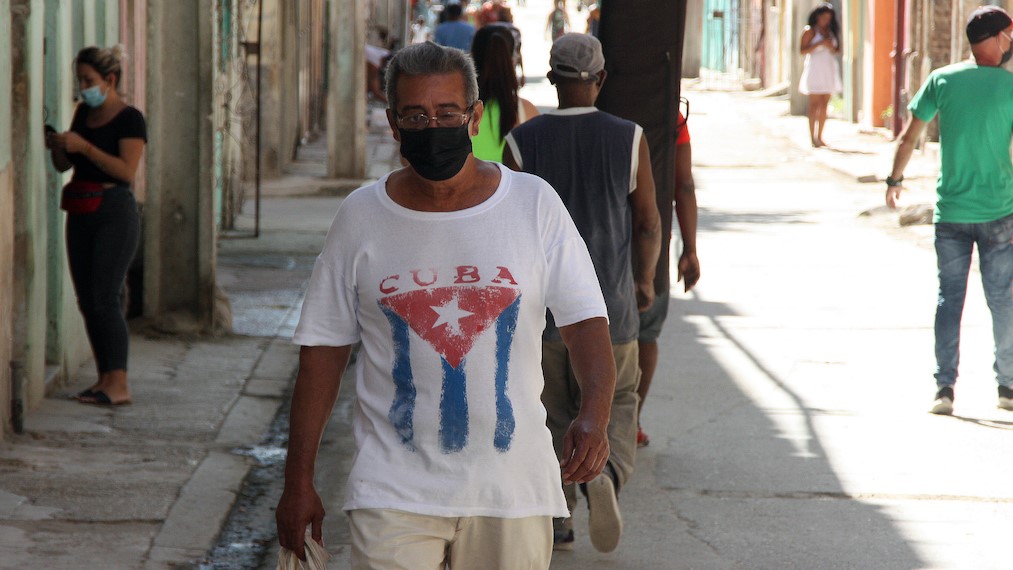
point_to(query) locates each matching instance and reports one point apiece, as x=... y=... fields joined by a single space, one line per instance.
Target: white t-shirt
x=450 y=308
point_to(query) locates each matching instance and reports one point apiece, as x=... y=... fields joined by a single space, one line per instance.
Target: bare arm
x=373 y=82
x=316 y=390
x=646 y=229
x=805 y=47
x=122 y=167
x=58 y=151
x=686 y=213
x=912 y=132
x=585 y=445
x=508 y=159
x=530 y=111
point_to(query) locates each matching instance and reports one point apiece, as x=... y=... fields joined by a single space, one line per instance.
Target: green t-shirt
x=487 y=144
x=975 y=108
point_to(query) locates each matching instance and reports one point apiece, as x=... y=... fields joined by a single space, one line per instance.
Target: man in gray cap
x=600 y=166
x=974 y=205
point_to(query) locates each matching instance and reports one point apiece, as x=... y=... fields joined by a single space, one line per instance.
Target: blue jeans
x=954 y=244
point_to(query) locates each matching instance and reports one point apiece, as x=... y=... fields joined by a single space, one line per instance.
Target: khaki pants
x=384 y=539
x=561 y=398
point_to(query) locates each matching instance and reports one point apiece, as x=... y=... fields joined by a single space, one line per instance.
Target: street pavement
x=789 y=417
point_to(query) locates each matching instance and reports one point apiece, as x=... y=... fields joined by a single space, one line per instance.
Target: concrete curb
x=196 y=518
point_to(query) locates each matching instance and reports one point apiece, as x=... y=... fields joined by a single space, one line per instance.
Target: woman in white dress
x=821 y=72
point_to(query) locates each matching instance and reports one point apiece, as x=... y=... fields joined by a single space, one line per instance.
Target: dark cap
x=986 y=22
x=576 y=55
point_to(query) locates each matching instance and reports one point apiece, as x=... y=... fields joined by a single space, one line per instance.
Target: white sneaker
x=605 y=523
x=944 y=402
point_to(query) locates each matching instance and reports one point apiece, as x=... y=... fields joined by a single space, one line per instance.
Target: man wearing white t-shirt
x=443 y=271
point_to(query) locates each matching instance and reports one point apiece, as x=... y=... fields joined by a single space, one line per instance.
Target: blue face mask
x=93 y=96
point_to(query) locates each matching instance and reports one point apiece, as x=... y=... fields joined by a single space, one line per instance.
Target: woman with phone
x=103 y=147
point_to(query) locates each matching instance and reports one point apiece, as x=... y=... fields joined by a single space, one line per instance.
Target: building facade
x=192 y=69
x=889 y=47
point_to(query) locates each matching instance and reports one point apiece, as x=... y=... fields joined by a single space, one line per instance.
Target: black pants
x=100 y=247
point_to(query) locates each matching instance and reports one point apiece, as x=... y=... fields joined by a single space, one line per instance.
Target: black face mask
x=438 y=153
x=1006 y=55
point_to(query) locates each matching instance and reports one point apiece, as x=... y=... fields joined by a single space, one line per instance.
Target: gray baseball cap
x=576 y=55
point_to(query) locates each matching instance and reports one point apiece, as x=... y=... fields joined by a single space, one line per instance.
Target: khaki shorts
x=385 y=539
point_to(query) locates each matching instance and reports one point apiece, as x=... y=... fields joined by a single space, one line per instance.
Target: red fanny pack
x=80 y=197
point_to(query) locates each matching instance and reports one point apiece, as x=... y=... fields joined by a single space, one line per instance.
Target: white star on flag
x=451 y=315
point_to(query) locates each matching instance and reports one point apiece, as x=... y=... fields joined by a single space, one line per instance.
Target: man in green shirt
x=974 y=205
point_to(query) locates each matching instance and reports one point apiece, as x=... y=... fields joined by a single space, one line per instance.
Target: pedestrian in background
x=493 y=52
x=443 y=270
x=593 y=19
x=420 y=31
x=688 y=267
x=104 y=147
x=974 y=205
x=454 y=32
x=376 y=63
x=558 y=22
x=821 y=72
x=601 y=167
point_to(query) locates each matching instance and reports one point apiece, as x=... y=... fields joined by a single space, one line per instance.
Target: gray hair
x=431 y=59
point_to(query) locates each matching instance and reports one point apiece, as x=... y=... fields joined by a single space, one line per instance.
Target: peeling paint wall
x=6 y=218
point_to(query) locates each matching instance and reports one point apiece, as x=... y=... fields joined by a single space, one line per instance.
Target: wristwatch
x=891 y=181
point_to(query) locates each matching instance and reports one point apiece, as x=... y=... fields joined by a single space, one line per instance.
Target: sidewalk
x=149 y=485
x=863 y=154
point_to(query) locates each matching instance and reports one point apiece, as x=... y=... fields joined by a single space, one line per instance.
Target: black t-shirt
x=127 y=124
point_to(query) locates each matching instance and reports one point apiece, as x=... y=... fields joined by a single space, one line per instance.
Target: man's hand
x=585 y=450
x=297 y=509
x=689 y=270
x=645 y=295
x=892 y=195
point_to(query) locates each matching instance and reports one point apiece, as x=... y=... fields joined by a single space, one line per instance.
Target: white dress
x=821 y=72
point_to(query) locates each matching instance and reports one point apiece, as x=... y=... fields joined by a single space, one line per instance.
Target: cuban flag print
x=450 y=319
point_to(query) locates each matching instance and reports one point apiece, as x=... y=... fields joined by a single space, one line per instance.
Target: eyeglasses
x=420 y=121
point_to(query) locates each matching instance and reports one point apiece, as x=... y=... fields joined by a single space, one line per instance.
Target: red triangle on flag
x=451 y=318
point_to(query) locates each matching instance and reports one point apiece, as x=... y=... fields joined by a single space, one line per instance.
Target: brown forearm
x=686 y=213
x=590 y=348
x=112 y=165
x=905 y=148
x=646 y=249
x=60 y=160
x=900 y=159
x=316 y=390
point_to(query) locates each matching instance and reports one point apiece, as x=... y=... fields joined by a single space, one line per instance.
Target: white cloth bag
x=316 y=557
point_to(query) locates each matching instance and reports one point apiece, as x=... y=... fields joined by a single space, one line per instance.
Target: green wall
x=720 y=35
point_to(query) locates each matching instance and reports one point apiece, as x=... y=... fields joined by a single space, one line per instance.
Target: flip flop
x=89 y=393
x=100 y=398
